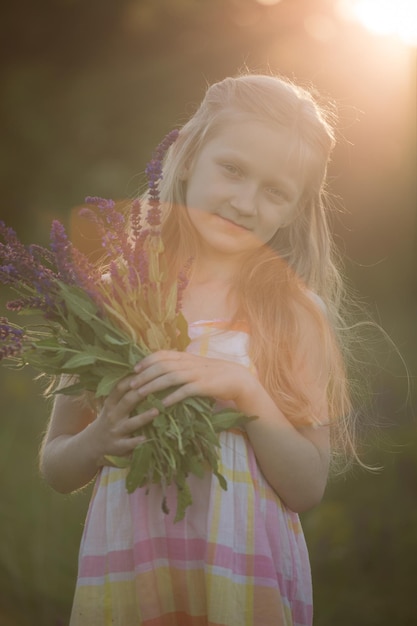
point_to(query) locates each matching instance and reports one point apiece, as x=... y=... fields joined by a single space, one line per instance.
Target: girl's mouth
x=232 y=223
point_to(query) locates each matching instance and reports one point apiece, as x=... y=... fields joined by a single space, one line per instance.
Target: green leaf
x=171 y=303
x=196 y=466
x=139 y=467
x=107 y=383
x=184 y=499
x=221 y=479
x=80 y=360
x=79 y=302
x=182 y=338
x=116 y=341
x=223 y=420
x=160 y=421
x=118 y=461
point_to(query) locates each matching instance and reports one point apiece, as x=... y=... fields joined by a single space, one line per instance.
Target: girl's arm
x=78 y=438
x=295 y=461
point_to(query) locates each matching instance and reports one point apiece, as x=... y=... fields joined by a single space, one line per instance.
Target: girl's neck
x=208 y=296
x=215 y=270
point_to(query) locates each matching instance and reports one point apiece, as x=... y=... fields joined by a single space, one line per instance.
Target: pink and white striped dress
x=238 y=558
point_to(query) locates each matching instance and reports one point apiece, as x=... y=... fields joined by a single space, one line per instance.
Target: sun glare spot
x=384 y=17
x=268 y=3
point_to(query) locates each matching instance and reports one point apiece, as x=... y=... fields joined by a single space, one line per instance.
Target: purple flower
x=33 y=302
x=11 y=339
x=135 y=219
x=8 y=274
x=9 y=236
x=41 y=255
x=154 y=175
x=111 y=225
x=154 y=168
x=21 y=267
x=105 y=204
x=153 y=216
x=86 y=275
x=61 y=248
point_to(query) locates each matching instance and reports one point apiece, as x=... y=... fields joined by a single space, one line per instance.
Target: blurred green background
x=88 y=88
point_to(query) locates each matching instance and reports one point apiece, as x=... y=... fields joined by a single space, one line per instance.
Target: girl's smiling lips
x=230 y=222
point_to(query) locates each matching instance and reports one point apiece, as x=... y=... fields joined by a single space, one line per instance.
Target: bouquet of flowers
x=95 y=325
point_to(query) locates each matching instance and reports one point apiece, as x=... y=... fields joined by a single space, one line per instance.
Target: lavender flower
x=10 y=237
x=11 y=339
x=41 y=254
x=135 y=218
x=154 y=175
x=21 y=267
x=111 y=225
x=33 y=302
x=61 y=249
x=8 y=275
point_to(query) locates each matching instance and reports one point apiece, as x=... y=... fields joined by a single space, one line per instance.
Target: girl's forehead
x=242 y=128
x=258 y=140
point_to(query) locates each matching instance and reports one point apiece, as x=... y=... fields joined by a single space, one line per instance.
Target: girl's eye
x=275 y=193
x=231 y=169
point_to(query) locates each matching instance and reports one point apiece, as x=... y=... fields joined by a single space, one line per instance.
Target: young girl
x=243 y=191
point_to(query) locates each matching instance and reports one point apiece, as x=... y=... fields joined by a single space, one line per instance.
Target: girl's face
x=242 y=187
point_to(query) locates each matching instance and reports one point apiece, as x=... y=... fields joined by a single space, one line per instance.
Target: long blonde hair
x=298 y=261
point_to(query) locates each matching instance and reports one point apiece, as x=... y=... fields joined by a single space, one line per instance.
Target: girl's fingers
x=122 y=387
x=124 y=447
x=181 y=375
x=185 y=391
x=155 y=370
x=126 y=436
x=160 y=383
x=136 y=422
x=123 y=399
x=157 y=357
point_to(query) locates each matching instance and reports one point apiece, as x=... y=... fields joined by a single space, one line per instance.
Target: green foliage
x=363 y=540
x=40 y=529
x=179 y=441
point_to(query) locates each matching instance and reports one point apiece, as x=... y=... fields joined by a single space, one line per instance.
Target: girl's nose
x=244 y=199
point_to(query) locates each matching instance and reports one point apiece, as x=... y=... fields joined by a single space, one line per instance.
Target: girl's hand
x=193 y=375
x=114 y=429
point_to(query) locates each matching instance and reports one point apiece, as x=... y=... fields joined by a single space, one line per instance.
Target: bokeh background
x=88 y=88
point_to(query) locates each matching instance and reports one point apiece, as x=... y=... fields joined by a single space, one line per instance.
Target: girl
x=243 y=192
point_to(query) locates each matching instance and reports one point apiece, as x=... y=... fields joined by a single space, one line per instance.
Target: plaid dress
x=238 y=558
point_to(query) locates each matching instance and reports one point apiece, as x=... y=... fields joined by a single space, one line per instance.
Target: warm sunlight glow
x=268 y=3
x=385 y=17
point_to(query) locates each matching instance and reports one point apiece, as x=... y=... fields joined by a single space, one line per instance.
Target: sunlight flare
x=384 y=17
